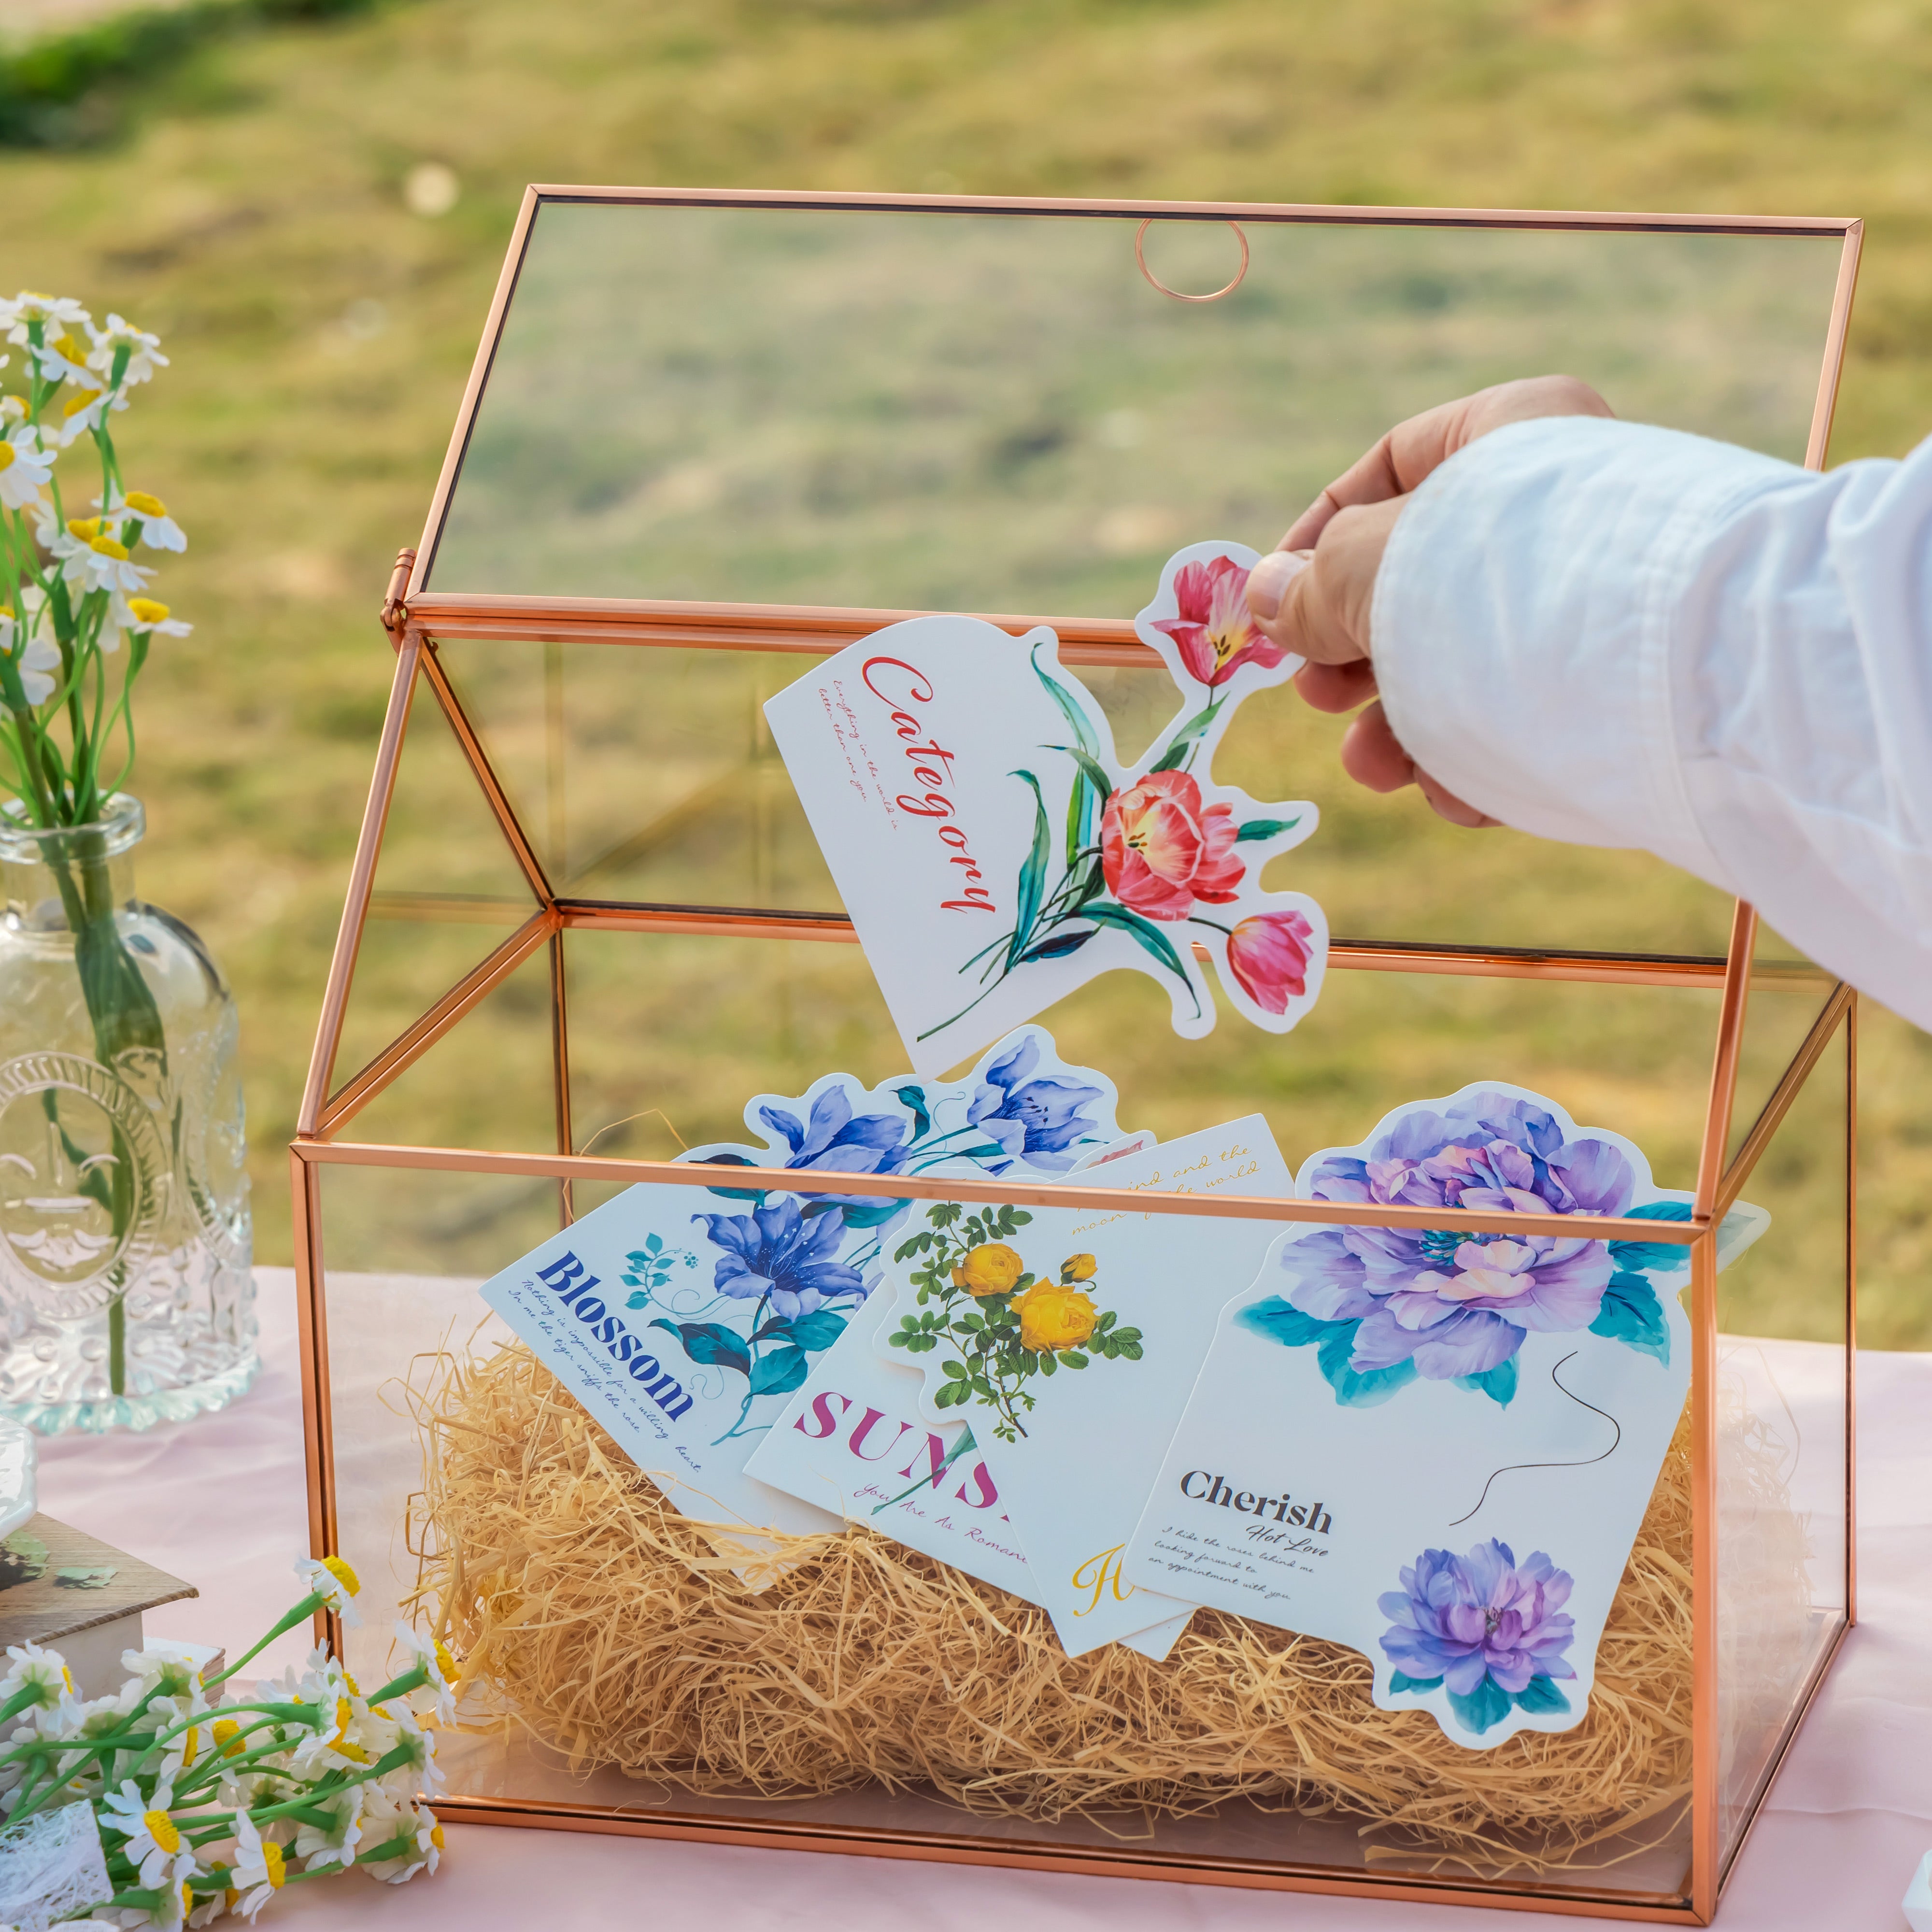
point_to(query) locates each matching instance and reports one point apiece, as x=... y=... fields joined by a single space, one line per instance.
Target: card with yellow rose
x=1070 y=1341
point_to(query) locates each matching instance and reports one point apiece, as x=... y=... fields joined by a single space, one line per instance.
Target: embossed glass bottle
x=124 y=1234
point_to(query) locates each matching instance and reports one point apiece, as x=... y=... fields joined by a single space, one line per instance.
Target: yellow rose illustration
x=1079 y=1267
x=992 y=1268
x=1053 y=1318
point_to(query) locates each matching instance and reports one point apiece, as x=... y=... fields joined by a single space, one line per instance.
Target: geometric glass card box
x=711 y=437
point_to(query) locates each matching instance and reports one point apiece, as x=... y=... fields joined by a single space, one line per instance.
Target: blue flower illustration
x=784 y=1253
x=1041 y=1120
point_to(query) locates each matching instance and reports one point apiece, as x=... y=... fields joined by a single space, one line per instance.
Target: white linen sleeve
x=1620 y=635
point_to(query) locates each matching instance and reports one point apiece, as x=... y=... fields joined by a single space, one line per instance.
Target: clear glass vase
x=125 y=1288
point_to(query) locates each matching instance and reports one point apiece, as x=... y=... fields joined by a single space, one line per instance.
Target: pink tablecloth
x=221 y=1503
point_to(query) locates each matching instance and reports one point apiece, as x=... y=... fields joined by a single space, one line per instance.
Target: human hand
x=1322 y=613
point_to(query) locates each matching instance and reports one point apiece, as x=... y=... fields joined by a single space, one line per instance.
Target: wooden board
x=45 y=1610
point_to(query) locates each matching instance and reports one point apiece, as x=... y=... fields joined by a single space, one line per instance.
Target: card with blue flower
x=1438 y=1450
x=684 y=1319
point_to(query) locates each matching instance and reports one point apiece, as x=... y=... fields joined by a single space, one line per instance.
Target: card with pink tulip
x=995 y=853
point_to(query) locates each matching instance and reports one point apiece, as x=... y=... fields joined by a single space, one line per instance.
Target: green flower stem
x=307 y=1608
x=397 y=1687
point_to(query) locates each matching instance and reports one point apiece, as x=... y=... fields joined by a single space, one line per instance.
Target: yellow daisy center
x=342 y=1574
x=147 y=506
x=188 y=1899
x=74 y=405
x=436 y=1836
x=85 y=528
x=271 y=1857
x=445 y=1663
x=66 y=1677
x=7 y=454
x=147 y=611
x=349 y=1679
x=64 y=344
x=161 y=1829
x=190 y=1746
x=228 y=1735
x=344 y=1714
x=107 y=546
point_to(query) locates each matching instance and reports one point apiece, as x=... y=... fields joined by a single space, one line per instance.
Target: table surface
x=220 y=1501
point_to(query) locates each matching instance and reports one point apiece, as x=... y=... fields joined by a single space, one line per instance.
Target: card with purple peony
x=1388 y=1415
x=995 y=853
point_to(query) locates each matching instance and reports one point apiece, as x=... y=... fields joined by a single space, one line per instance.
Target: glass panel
x=683 y=1031
x=404 y=1252
x=1781 y=1467
x=645 y=774
x=1787 y=994
x=489 y=1082
x=1000 y=412
x=447 y=890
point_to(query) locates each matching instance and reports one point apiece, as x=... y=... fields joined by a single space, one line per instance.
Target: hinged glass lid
x=891 y=406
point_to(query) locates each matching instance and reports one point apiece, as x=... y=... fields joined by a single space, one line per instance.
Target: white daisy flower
x=98 y=562
x=153 y=1839
x=423 y=1827
x=44 y=1671
x=208 y=1909
x=144 y=351
x=36 y=658
x=180 y=1752
x=260 y=1870
x=336 y=1846
x=58 y=313
x=25 y=471
x=420 y=1772
x=158 y=530
x=438 y=1693
x=334 y=1583
x=144 y=614
x=61 y=359
x=80 y=413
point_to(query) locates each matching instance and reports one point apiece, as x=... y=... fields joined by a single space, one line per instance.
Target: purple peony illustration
x=1455 y=1305
x=781 y=1252
x=1485 y=1627
x=1041 y=1120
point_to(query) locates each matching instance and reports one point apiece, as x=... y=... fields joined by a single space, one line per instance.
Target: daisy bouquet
x=209 y=1804
x=77 y=622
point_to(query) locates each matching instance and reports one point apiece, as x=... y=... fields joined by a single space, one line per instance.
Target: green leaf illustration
x=1485 y=1707
x=1075 y=715
x=1631 y=1313
x=1498 y=1384
x=1402 y=1681
x=818 y=1330
x=1265 y=828
x=711 y=1343
x=1184 y=739
x=1540 y=1695
x=1665 y=1254
x=1033 y=876
x=1149 y=936
x=779 y=1373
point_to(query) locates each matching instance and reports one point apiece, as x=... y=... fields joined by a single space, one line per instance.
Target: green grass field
x=251 y=209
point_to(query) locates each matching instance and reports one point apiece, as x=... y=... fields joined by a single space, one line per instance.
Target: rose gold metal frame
x=419 y=621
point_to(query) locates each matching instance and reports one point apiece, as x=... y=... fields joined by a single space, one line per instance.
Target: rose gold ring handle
x=1154 y=281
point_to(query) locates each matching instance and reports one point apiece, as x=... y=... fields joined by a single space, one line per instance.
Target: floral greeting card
x=995 y=853
x=684 y=1319
x=1069 y=1341
x=1438 y=1449
x=854 y=1440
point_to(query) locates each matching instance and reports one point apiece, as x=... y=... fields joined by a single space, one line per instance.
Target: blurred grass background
x=245 y=195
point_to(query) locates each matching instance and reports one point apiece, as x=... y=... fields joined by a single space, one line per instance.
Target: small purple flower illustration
x=1446 y=1305
x=1041 y=1120
x=1491 y=1630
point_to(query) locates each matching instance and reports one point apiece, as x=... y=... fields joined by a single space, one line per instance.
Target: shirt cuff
x=1523 y=623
